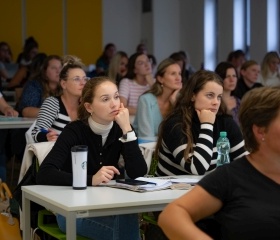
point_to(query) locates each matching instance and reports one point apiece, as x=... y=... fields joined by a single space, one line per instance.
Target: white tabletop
x=92 y=202
x=15 y=122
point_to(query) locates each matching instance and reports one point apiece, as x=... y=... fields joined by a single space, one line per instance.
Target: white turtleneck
x=100 y=129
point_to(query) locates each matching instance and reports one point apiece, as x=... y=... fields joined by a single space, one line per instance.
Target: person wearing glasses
x=138 y=80
x=56 y=112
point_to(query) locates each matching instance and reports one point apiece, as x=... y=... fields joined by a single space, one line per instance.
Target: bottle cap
x=223 y=134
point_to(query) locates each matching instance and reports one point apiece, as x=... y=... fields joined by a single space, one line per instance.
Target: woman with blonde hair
x=157 y=102
x=57 y=111
x=118 y=66
x=270 y=74
x=244 y=196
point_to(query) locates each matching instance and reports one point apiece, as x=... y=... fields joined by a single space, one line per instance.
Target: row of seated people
x=201 y=103
x=200 y=97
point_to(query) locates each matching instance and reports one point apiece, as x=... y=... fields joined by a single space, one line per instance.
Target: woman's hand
x=122 y=119
x=52 y=135
x=150 y=79
x=206 y=116
x=9 y=111
x=173 y=96
x=104 y=175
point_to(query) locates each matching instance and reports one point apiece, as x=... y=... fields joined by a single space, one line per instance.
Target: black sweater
x=56 y=169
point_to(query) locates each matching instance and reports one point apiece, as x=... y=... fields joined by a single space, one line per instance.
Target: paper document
x=156 y=184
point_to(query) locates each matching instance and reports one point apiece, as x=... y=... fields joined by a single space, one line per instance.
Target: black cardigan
x=56 y=169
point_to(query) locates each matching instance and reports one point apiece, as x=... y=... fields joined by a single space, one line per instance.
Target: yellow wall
x=10 y=25
x=44 y=21
x=84 y=31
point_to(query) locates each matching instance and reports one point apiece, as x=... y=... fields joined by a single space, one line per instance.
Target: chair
x=52 y=229
x=29 y=140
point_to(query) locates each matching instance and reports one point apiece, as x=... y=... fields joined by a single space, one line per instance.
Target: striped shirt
x=131 y=90
x=204 y=156
x=53 y=115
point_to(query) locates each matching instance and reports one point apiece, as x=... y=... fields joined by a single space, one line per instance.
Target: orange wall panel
x=84 y=29
x=44 y=22
x=10 y=25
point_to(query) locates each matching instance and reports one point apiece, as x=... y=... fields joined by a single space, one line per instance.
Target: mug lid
x=79 y=148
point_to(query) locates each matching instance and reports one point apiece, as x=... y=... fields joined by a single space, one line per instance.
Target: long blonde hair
x=265 y=64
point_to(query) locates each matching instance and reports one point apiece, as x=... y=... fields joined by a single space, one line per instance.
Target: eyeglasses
x=80 y=79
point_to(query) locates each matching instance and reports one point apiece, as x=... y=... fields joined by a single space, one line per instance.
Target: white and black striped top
x=204 y=157
x=53 y=115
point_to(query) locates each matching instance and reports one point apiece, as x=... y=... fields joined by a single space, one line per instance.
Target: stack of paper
x=156 y=184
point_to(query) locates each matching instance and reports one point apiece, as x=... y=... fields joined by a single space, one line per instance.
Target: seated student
x=5 y=58
x=138 y=80
x=43 y=84
x=7 y=110
x=270 y=71
x=243 y=195
x=237 y=58
x=56 y=112
x=249 y=72
x=30 y=50
x=228 y=74
x=104 y=127
x=157 y=102
x=102 y=63
x=188 y=135
x=118 y=66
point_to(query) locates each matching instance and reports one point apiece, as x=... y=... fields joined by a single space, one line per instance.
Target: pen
x=43 y=130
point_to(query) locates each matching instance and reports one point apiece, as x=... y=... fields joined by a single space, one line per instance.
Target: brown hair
x=258 y=107
x=248 y=64
x=45 y=82
x=184 y=107
x=88 y=95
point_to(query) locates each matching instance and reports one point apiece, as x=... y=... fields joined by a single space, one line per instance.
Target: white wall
x=175 y=25
x=166 y=28
x=122 y=24
x=191 y=28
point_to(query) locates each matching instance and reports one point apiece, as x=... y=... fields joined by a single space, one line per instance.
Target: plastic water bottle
x=223 y=148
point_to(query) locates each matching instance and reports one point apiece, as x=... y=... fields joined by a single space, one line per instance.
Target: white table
x=92 y=202
x=15 y=122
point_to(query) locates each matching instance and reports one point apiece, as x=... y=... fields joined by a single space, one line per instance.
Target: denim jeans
x=119 y=227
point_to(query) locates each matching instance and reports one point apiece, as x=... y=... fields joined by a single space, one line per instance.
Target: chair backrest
x=28 y=136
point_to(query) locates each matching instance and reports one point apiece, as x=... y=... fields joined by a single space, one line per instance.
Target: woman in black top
x=104 y=127
x=243 y=195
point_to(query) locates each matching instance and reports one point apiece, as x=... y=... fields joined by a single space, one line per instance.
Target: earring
x=91 y=114
x=263 y=139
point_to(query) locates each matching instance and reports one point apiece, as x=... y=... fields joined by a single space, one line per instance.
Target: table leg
x=26 y=217
x=71 y=231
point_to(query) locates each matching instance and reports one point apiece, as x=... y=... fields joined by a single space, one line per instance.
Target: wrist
x=126 y=130
x=129 y=136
